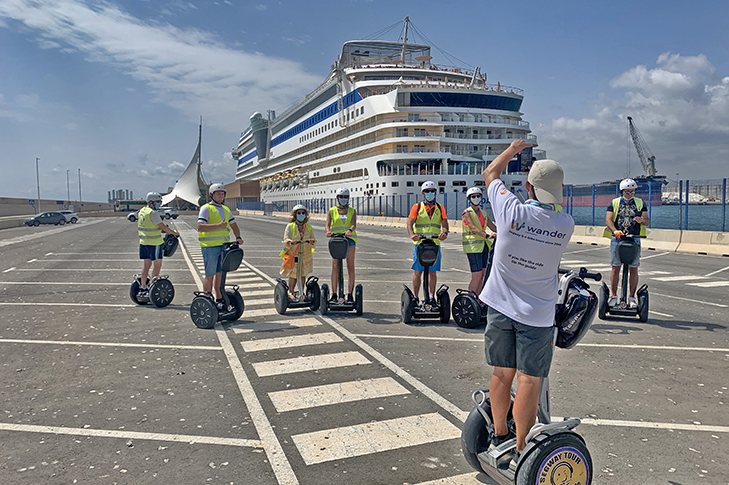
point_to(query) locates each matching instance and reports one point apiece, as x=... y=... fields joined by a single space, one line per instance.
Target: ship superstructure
x=385 y=120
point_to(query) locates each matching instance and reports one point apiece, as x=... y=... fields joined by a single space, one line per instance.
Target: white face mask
x=476 y=200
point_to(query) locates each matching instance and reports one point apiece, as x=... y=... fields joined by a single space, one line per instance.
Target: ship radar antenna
x=405 y=39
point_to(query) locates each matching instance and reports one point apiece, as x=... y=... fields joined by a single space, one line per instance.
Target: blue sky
x=116 y=88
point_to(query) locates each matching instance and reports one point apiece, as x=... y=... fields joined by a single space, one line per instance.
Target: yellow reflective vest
x=149 y=233
x=218 y=237
x=427 y=227
x=337 y=226
x=616 y=205
x=472 y=242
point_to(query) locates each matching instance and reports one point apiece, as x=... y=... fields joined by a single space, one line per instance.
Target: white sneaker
x=632 y=302
x=613 y=301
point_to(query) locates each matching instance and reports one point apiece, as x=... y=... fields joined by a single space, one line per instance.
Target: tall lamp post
x=68 y=186
x=79 y=186
x=37 y=178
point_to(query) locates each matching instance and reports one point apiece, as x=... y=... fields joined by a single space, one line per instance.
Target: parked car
x=70 y=216
x=132 y=217
x=46 y=218
x=170 y=212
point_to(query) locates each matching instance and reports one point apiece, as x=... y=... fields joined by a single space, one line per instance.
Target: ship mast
x=405 y=39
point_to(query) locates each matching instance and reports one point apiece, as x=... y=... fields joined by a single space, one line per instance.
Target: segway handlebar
x=582 y=273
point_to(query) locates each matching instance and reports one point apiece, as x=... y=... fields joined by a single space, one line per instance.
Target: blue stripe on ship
x=320 y=116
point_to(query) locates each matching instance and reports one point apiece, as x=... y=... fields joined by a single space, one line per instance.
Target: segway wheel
x=324 y=306
x=237 y=302
x=407 y=307
x=315 y=295
x=466 y=311
x=133 y=291
x=564 y=457
x=281 y=298
x=475 y=436
x=358 y=300
x=604 y=297
x=203 y=312
x=161 y=293
x=643 y=307
x=445 y=307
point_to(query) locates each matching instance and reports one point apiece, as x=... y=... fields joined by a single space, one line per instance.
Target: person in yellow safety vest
x=151 y=244
x=342 y=218
x=625 y=215
x=427 y=220
x=476 y=241
x=213 y=224
x=297 y=232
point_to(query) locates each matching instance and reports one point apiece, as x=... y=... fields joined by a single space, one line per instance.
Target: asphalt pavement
x=99 y=390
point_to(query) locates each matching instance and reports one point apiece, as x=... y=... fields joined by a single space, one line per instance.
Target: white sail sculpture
x=190 y=187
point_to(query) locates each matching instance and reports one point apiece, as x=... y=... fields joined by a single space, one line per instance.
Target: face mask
x=475 y=200
x=301 y=217
x=157 y=205
x=430 y=196
x=343 y=201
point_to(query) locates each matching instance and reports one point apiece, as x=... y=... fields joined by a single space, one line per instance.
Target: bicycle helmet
x=216 y=188
x=628 y=184
x=299 y=207
x=472 y=191
x=154 y=197
x=342 y=191
x=428 y=186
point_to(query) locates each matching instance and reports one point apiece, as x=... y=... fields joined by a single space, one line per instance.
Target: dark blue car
x=46 y=218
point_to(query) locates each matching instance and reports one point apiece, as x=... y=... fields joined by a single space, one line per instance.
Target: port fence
x=687 y=204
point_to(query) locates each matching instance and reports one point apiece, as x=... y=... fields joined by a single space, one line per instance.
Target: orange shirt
x=429 y=209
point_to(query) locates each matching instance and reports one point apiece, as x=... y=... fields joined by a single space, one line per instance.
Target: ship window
x=413 y=116
x=395 y=184
x=361 y=110
x=459 y=183
x=409 y=183
x=402 y=148
x=384 y=184
x=441 y=183
x=402 y=132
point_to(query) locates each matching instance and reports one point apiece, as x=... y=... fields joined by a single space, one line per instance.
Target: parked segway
x=468 y=309
x=161 y=291
x=628 y=250
x=427 y=254
x=307 y=295
x=339 y=248
x=205 y=312
x=554 y=453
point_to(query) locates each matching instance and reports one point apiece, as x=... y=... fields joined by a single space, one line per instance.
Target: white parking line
x=679 y=278
x=31 y=260
x=310 y=363
x=110 y=344
x=717 y=271
x=292 y=341
x=35 y=303
x=269 y=326
x=710 y=284
x=653 y=256
x=691 y=300
x=9 y=270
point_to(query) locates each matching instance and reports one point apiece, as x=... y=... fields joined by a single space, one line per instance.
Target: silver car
x=70 y=216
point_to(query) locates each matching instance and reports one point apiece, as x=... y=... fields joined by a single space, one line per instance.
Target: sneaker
x=143 y=291
x=220 y=304
x=613 y=301
x=514 y=461
x=333 y=299
x=350 y=299
x=498 y=440
x=632 y=302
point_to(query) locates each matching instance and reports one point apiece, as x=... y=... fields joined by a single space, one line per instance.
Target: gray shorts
x=213 y=260
x=517 y=346
x=614 y=260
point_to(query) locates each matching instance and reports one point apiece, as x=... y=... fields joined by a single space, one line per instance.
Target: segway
x=468 y=309
x=339 y=248
x=628 y=250
x=427 y=254
x=205 y=312
x=161 y=292
x=307 y=295
x=554 y=453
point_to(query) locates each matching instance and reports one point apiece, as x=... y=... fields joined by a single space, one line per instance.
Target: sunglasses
x=429 y=191
x=300 y=213
x=343 y=196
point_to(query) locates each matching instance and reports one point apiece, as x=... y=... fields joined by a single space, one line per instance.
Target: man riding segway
x=342 y=219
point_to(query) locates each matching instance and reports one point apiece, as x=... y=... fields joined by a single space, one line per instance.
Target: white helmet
x=299 y=207
x=628 y=184
x=154 y=197
x=428 y=185
x=472 y=191
x=216 y=188
x=343 y=191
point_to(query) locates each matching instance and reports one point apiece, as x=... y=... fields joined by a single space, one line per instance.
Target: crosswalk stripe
x=465 y=479
x=292 y=341
x=268 y=326
x=259 y=313
x=262 y=284
x=268 y=292
x=259 y=302
x=710 y=284
x=679 y=278
x=309 y=363
x=571 y=262
x=367 y=438
x=329 y=394
x=650 y=273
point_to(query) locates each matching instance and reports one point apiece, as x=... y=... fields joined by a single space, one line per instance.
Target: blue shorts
x=213 y=260
x=418 y=267
x=151 y=252
x=478 y=261
x=614 y=260
x=351 y=242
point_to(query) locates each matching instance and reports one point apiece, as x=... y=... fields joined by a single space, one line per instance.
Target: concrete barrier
x=661 y=239
x=701 y=242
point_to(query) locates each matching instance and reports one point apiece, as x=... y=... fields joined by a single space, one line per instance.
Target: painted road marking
x=35 y=303
x=30 y=261
x=679 y=278
x=9 y=270
x=367 y=438
x=651 y=425
x=268 y=292
x=660 y=314
x=717 y=271
x=109 y=344
x=96 y=269
x=113 y=433
x=710 y=284
x=260 y=284
x=653 y=256
x=293 y=341
x=326 y=395
x=48 y=254
x=269 y=326
x=465 y=479
x=259 y=313
x=310 y=363
x=74 y=283
x=601 y=248
x=42 y=235
x=451 y=269
x=572 y=263
x=265 y=301
x=691 y=300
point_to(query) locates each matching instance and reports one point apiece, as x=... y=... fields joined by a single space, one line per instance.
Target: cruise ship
x=386 y=119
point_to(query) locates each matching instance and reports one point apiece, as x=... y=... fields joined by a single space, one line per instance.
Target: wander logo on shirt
x=537 y=231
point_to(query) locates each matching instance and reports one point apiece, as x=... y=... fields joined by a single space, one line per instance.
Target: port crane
x=647 y=159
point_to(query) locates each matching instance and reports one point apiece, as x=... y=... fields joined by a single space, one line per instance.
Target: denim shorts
x=151 y=252
x=614 y=260
x=351 y=242
x=517 y=346
x=213 y=259
x=419 y=267
x=478 y=261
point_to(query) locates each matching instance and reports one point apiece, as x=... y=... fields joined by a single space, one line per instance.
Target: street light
x=79 y=186
x=68 y=187
x=37 y=178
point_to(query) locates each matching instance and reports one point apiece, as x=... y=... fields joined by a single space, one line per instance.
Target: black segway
x=161 y=291
x=468 y=309
x=628 y=250
x=427 y=254
x=339 y=248
x=205 y=312
x=307 y=295
x=554 y=453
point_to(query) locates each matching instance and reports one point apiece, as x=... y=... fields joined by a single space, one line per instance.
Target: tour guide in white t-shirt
x=522 y=290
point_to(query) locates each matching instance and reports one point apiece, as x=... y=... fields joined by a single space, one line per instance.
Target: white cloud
x=680 y=106
x=70 y=126
x=188 y=69
x=262 y=8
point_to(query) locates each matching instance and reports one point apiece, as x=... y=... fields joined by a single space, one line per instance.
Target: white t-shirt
x=529 y=246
